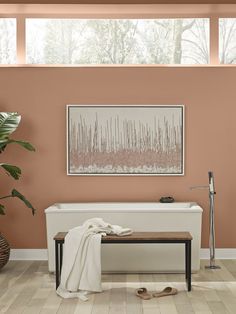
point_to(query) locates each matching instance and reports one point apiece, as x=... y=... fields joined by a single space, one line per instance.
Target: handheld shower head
x=211 y=182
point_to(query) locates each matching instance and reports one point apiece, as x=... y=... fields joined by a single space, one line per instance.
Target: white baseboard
x=42 y=254
x=29 y=254
x=219 y=253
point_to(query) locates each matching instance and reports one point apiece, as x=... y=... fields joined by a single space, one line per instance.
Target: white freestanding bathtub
x=140 y=217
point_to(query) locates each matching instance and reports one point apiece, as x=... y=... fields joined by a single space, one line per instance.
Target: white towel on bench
x=81 y=267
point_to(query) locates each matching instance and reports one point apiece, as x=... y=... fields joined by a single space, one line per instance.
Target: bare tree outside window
x=64 y=39
x=195 y=41
x=53 y=41
x=117 y=41
x=175 y=41
x=227 y=40
x=110 y=42
x=7 y=41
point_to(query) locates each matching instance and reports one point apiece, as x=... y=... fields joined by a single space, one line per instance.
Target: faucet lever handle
x=200 y=187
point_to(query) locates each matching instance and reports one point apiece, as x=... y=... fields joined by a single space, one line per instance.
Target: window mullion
x=214 y=40
x=20 y=30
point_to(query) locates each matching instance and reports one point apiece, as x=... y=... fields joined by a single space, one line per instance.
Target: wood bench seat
x=135 y=237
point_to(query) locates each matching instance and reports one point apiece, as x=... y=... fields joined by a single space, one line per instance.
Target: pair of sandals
x=145 y=295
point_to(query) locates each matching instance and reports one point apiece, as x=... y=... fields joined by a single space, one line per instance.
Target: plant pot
x=4 y=251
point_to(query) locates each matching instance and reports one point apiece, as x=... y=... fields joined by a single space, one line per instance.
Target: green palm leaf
x=2 y=212
x=3 y=144
x=9 y=121
x=11 y=170
x=24 y=144
x=17 y=194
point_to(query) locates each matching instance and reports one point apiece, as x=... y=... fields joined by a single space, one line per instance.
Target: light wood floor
x=26 y=287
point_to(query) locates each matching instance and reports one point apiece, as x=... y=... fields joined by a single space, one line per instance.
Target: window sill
x=117 y=66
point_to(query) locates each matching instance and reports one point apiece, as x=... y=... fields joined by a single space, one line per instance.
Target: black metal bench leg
x=57 y=264
x=189 y=265
x=186 y=261
x=61 y=256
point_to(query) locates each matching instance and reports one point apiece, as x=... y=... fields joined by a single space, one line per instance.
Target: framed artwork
x=125 y=140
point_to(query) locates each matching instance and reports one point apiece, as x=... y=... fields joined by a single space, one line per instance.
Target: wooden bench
x=136 y=237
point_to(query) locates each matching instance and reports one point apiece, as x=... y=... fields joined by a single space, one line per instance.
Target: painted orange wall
x=120 y=1
x=41 y=95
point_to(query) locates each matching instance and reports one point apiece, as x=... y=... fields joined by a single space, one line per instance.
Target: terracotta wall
x=121 y=1
x=41 y=95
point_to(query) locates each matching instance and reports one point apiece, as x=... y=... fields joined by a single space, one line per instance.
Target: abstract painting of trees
x=125 y=140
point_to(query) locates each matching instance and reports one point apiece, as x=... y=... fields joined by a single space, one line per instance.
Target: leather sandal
x=165 y=292
x=143 y=294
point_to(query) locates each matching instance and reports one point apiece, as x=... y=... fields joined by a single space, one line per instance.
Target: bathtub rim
x=193 y=207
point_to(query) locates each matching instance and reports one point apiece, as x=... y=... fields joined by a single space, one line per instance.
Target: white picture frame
x=133 y=140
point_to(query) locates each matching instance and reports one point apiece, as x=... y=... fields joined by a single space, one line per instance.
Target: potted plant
x=9 y=122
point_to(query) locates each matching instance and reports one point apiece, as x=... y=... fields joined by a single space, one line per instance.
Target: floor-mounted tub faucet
x=212 y=192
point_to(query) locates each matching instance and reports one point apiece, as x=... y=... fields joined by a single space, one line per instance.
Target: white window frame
x=145 y=11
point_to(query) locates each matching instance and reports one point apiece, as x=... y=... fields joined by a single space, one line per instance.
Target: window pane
x=7 y=41
x=227 y=40
x=117 y=41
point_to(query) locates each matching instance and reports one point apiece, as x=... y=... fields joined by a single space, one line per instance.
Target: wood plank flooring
x=27 y=287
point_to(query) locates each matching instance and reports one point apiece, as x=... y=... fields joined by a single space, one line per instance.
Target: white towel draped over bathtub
x=81 y=267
